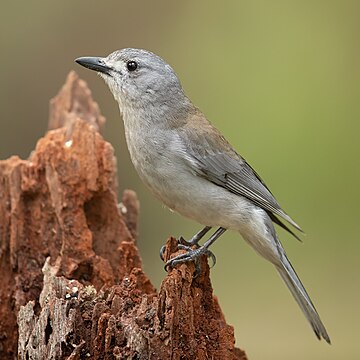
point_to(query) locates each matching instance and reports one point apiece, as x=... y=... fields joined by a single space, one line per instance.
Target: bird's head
x=137 y=78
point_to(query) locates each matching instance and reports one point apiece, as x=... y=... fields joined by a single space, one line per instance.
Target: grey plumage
x=189 y=165
x=297 y=289
x=220 y=164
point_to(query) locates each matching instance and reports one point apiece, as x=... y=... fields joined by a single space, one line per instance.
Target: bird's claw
x=208 y=253
x=162 y=252
x=190 y=255
x=182 y=244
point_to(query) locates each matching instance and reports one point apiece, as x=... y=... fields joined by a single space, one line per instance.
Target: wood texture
x=72 y=284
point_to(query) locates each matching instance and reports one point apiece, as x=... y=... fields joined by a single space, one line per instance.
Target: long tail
x=294 y=284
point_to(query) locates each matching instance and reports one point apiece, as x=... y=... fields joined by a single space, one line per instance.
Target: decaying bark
x=72 y=285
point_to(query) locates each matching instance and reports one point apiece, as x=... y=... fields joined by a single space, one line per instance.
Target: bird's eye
x=131 y=65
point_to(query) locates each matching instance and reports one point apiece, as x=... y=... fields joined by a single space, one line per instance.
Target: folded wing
x=225 y=168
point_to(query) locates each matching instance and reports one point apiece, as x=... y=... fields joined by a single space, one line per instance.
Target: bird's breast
x=148 y=152
x=160 y=163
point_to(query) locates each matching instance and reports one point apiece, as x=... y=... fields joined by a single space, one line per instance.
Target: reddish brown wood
x=72 y=285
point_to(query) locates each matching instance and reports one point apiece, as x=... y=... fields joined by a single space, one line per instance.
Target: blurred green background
x=281 y=79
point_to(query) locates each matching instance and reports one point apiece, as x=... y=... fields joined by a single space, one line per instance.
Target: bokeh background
x=281 y=79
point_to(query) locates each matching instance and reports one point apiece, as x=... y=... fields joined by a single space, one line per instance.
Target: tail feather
x=295 y=286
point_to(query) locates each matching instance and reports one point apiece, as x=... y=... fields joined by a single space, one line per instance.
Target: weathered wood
x=72 y=285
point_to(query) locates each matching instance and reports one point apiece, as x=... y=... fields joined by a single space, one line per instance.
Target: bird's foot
x=181 y=244
x=190 y=255
x=194 y=241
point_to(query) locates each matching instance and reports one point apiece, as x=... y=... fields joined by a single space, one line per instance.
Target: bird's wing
x=216 y=161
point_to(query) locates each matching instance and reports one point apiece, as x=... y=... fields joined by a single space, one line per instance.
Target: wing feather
x=226 y=168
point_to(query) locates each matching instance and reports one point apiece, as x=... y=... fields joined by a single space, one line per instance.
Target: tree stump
x=72 y=284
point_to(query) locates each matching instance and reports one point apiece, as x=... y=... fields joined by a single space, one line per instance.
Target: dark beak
x=94 y=63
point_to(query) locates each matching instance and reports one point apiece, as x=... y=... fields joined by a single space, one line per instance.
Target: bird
x=190 y=167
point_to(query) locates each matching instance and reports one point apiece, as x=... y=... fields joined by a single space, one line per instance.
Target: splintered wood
x=72 y=284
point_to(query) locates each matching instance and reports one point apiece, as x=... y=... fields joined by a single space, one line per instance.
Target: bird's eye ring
x=131 y=65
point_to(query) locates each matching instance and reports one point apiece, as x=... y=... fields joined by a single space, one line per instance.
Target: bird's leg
x=186 y=244
x=195 y=254
x=196 y=238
